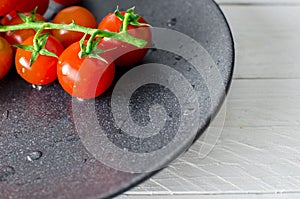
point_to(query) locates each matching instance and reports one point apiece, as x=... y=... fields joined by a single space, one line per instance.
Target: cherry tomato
x=6 y=55
x=125 y=54
x=29 y=5
x=67 y=2
x=85 y=77
x=8 y=17
x=19 y=36
x=81 y=16
x=7 y=6
x=43 y=70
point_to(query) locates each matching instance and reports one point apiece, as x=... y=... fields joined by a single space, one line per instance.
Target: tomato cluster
x=7 y=6
x=81 y=76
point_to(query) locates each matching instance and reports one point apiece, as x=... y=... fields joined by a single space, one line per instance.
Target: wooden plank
x=259 y=2
x=257 y=155
x=258 y=151
x=264 y=103
x=221 y=196
x=267 y=40
x=248 y=160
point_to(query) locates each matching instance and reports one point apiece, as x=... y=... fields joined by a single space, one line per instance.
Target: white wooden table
x=258 y=153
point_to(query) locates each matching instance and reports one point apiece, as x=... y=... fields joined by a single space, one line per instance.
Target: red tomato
x=85 y=77
x=29 y=5
x=19 y=36
x=81 y=16
x=6 y=55
x=7 y=6
x=43 y=70
x=8 y=17
x=67 y=2
x=125 y=54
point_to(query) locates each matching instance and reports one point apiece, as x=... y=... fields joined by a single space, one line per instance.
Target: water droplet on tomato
x=34 y=156
x=23 y=70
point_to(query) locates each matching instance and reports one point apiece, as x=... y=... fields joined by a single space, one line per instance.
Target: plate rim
x=202 y=130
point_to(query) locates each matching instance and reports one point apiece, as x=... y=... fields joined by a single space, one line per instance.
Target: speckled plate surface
x=42 y=154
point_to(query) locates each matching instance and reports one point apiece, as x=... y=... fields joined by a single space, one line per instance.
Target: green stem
x=124 y=36
x=73 y=27
x=126 y=22
x=51 y=26
x=89 y=45
x=35 y=39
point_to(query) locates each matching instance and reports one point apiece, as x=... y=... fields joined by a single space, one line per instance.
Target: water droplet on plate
x=153 y=49
x=178 y=58
x=172 y=22
x=189 y=111
x=5 y=114
x=72 y=138
x=6 y=171
x=34 y=156
x=38 y=87
x=37 y=180
x=80 y=99
x=17 y=134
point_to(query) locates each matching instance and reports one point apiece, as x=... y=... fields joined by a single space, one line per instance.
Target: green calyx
x=38 y=48
x=39 y=41
x=30 y=18
x=93 y=51
x=133 y=18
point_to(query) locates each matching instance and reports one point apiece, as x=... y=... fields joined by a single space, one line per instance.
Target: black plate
x=42 y=149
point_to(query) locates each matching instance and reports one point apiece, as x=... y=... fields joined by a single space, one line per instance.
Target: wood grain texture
x=258 y=2
x=257 y=152
x=221 y=196
x=267 y=40
x=257 y=155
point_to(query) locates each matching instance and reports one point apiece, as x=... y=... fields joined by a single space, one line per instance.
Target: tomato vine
x=129 y=18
